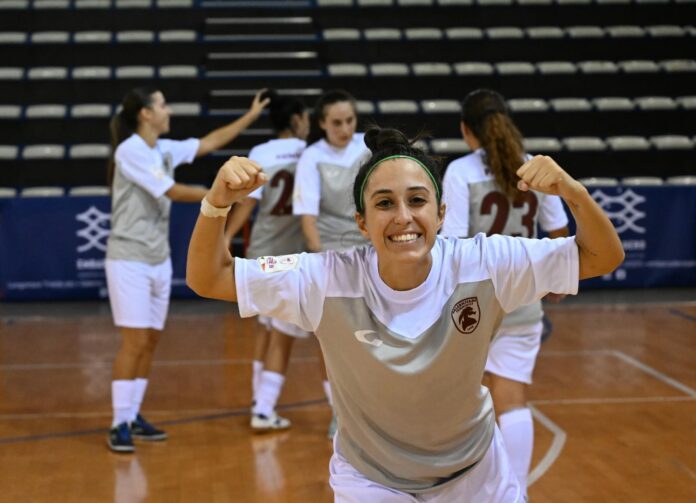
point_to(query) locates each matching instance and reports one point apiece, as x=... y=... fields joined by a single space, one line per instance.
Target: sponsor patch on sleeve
x=279 y=263
x=159 y=173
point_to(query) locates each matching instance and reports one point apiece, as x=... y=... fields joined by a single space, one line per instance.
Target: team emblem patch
x=279 y=263
x=466 y=315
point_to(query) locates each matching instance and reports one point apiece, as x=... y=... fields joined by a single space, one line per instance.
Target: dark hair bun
x=271 y=94
x=377 y=138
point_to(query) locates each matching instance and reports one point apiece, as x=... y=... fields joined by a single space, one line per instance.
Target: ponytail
x=504 y=153
x=485 y=113
x=125 y=122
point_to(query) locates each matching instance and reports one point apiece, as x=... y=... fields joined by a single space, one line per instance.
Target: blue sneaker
x=120 y=439
x=142 y=430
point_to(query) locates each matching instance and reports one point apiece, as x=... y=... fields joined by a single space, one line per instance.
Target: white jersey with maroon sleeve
x=276 y=230
x=406 y=366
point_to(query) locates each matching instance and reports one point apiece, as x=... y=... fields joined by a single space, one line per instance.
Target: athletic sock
x=138 y=395
x=122 y=400
x=257 y=366
x=327 y=391
x=517 y=427
x=270 y=386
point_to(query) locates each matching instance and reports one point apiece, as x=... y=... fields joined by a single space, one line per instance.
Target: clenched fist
x=541 y=173
x=236 y=179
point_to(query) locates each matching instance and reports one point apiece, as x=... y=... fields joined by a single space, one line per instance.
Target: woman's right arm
x=238 y=217
x=210 y=266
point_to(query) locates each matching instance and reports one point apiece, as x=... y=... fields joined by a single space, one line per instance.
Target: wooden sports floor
x=614 y=402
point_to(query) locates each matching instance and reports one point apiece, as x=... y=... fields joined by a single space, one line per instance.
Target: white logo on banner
x=94 y=232
x=627 y=215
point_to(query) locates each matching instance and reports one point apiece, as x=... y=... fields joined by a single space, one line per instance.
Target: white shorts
x=490 y=481
x=283 y=327
x=513 y=352
x=139 y=292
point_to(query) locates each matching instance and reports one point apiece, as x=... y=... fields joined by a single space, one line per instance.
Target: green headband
x=397 y=156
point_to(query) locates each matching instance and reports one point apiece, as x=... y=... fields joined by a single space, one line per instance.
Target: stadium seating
x=606 y=86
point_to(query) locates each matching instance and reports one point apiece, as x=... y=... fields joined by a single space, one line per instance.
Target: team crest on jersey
x=466 y=315
x=279 y=263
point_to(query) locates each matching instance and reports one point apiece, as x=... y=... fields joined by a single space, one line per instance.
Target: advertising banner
x=54 y=248
x=657 y=227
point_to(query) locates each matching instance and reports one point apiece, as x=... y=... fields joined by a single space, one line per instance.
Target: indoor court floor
x=614 y=402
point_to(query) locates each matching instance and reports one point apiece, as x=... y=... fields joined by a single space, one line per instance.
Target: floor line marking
x=161 y=363
x=559 y=438
x=207 y=417
x=655 y=373
x=631 y=361
x=602 y=401
x=683 y=467
x=579 y=352
x=676 y=312
x=206 y=412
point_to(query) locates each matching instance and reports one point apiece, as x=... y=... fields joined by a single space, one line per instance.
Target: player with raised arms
x=405 y=364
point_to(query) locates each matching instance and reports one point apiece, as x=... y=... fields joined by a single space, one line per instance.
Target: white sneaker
x=259 y=422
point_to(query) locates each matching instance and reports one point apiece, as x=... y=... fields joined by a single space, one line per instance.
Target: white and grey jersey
x=476 y=204
x=427 y=391
x=324 y=188
x=406 y=366
x=336 y=220
x=139 y=209
x=276 y=230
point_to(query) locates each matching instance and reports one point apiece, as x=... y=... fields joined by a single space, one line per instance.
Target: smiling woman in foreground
x=405 y=324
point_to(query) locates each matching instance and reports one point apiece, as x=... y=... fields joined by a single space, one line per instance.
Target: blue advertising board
x=53 y=248
x=657 y=227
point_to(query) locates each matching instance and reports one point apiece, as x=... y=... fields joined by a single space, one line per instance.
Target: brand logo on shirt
x=367 y=337
x=466 y=315
x=277 y=264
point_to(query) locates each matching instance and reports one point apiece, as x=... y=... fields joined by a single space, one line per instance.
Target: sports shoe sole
x=258 y=427
x=149 y=438
x=120 y=448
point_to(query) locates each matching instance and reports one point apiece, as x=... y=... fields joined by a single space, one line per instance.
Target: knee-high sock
x=517 y=427
x=270 y=386
x=138 y=395
x=122 y=400
x=257 y=368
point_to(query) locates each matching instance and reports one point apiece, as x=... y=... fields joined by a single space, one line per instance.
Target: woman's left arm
x=222 y=136
x=599 y=246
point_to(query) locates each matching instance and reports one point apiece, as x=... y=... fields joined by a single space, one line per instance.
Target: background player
x=481 y=194
x=138 y=265
x=325 y=174
x=276 y=231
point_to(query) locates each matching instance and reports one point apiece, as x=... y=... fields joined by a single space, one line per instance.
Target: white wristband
x=210 y=211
